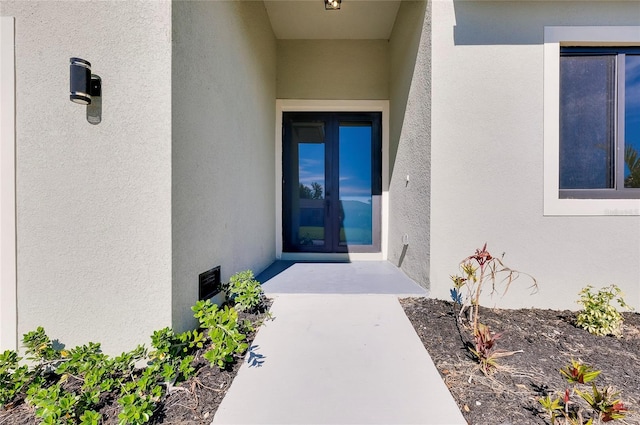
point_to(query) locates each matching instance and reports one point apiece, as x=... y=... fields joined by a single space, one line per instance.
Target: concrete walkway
x=338 y=359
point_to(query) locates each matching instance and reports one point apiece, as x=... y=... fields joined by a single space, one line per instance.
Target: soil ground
x=549 y=340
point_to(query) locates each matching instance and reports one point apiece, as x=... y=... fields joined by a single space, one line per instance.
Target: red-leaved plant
x=605 y=404
x=478 y=270
x=485 y=349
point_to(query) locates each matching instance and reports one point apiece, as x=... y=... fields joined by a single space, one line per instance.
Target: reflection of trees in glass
x=313 y=192
x=632 y=160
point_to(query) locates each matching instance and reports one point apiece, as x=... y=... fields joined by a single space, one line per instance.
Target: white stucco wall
x=409 y=202
x=224 y=91
x=333 y=69
x=8 y=294
x=93 y=202
x=487 y=155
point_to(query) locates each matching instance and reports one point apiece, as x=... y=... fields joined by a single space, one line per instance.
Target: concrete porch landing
x=338 y=358
x=360 y=277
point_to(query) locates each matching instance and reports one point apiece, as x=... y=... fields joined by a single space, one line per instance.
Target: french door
x=332 y=181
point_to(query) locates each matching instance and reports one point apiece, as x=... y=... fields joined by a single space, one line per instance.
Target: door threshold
x=331 y=257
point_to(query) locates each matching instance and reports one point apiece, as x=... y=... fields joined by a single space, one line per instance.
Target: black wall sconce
x=85 y=88
x=332 y=4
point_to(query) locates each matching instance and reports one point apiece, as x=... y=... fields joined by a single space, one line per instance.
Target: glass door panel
x=311 y=184
x=305 y=194
x=355 y=184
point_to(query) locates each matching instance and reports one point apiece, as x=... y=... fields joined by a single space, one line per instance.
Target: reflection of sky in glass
x=632 y=104
x=355 y=185
x=355 y=182
x=311 y=163
x=355 y=163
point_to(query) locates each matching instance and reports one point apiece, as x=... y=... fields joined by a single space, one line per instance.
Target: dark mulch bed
x=193 y=402
x=549 y=340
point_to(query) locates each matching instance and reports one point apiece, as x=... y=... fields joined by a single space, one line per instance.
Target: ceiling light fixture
x=332 y=4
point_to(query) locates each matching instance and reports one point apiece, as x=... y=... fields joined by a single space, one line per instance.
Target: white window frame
x=8 y=282
x=554 y=37
x=300 y=105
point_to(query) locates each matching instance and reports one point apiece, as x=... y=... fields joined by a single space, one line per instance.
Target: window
x=590 y=100
x=599 y=122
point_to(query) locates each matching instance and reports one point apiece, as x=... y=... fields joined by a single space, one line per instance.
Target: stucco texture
x=487 y=155
x=333 y=69
x=410 y=141
x=93 y=202
x=224 y=83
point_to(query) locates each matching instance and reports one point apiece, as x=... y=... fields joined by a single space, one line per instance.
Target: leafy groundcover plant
x=245 y=292
x=75 y=386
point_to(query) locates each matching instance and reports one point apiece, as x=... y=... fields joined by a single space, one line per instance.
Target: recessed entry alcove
x=340 y=74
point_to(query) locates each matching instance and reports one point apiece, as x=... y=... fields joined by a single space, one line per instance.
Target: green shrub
x=13 y=377
x=39 y=347
x=599 y=317
x=136 y=409
x=223 y=329
x=245 y=291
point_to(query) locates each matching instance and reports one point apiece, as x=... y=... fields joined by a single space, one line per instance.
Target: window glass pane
x=587 y=95
x=356 y=224
x=632 y=121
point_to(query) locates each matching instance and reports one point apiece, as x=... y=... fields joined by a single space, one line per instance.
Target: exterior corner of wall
x=223 y=109
x=410 y=128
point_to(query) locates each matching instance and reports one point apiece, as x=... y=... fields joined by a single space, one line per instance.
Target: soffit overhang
x=356 y=19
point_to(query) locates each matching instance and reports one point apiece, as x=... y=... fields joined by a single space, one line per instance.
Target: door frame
x=302 y=105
